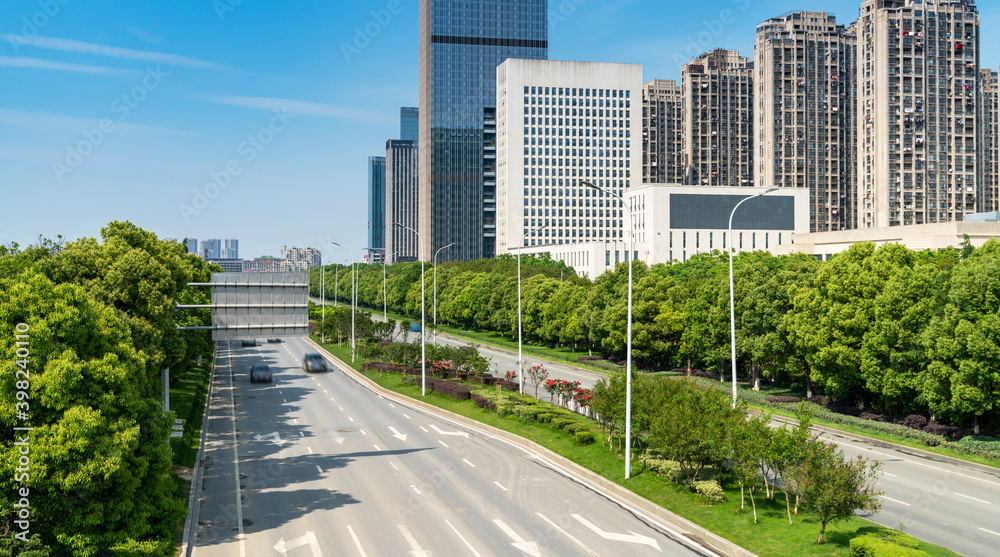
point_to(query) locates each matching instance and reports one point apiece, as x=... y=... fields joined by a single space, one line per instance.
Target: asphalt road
x=326 y=467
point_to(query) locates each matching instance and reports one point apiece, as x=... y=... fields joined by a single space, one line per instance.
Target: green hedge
x=585 y=437
x=561 y=422
x=982 y=446
x=885 y=543
x=710 y=490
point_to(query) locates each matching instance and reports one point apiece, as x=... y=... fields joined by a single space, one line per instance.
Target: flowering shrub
x=510 y=375
x=583 y=397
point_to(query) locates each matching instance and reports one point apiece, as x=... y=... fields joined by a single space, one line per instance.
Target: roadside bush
x=980 y=445
x=788 y=399
x=585 y=437
x=484 y=403
x=561 y=422
x=871 y=416
x=545 y=417
x=942 y=430
x=667 y=468
x=709 y=490
x=847 y=410
x=574 y=427
x=506 y=407
x=885 y=543
x=915 y=421
x=407 y=379
x=527 y=414
x=606 y=365
x=589 y=358
x=453 y=389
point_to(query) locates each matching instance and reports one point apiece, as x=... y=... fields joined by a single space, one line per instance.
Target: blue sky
x=138 y=110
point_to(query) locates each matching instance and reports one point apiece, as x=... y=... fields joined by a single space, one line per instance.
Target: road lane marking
x=888 y=474
x=397 y=434
x=294 y=421
x=236 y=464
x=285 y=401
x=341 y=408
x=407 y=417
x=860 y=446
x=350 y=418
x=895 y=500
x=302 y=434
x=467 y=544
x=443 y=443
x=567 y=534
x=633 y=538
x=320 y=469
x=989 y=531
x=324 y=390
x=310 y=450
x=442 y=432
x=500 y=486
x=425 y=431
x=357 y=542
x=973 y=498
x=376 y=447
x=362 y=432
x=333 y=399
x=394 y=466
x=415 y=489
x=531 y=548
x=417 y=550
x=469 y=463
x=391 y=404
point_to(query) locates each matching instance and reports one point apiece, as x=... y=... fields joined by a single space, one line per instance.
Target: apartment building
x=560 y=123
x=718 y=125
x=401 y=200
x=662 y=132
x=918 y=73
x=806 y=119
x=989 y=140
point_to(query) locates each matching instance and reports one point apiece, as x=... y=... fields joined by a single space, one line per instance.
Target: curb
x=912 y=451
x=684 y=527
x=190 y=523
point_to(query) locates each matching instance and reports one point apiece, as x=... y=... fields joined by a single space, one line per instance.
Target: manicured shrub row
x=982 y=446
x=589 y=358
x=953 y=432
x=790 y=399
x=709 y=490
x=585 y=437
x=484 y=403
x=453 y=389
x=886 y=543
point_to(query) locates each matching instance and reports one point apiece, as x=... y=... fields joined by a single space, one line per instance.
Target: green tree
x=834 y=486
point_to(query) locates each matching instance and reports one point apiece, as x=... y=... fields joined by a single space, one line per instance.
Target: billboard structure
x=257 y=305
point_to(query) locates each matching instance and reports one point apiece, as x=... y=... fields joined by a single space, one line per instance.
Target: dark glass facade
x=409 y=123
x=376 y=202
x=461 y=45
x=697 y=211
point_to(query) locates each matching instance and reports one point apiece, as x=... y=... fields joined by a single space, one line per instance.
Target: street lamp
x=520 y=359
x=322 y=288
x=354 y=297
x=628 y=337
x=732 y=304
x=436 y=289
x=423 y=333
x=385 y=302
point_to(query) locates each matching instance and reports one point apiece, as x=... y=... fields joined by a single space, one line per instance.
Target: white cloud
x=306 y=108
x=70 y=45
x=50 y=122
x=42 y=64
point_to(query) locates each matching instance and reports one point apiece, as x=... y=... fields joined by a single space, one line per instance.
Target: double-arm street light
x=385 y=303
x=354 y=296
x=322 y=281
x=520 y=358
x=732 y=304
x=423 y=333
x=436 y=289
x=628 y=336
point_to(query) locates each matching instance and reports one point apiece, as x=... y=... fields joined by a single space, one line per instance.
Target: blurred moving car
x=275 y=339
x=260 y=373
x=249 y=342
x=313 y=362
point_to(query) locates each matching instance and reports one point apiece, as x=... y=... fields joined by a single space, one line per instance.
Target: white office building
x=560 y=123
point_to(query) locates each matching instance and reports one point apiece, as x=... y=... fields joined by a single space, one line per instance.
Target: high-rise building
x=409 y=123
x=989 y=140
x=560 y=123
x=376 y=206
x=461 y=45
x=300 y=259
x=230 y=249
x=401 y=200
x=211 y=248
x=918 y=68
x=718 y=124
x=662 y=132
x=806 y=121
x=191 y=244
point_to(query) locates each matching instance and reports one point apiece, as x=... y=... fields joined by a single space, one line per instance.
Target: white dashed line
x=376 y=447
x=973 y=498
x=394 y=466
x=391 y=404
x=362 y=432
x=285 y=401
x=294 y=421
x=895 y=500
x=500 y=486
x=350 y=418
x=302 y=434
x=469 y=463
x=425 y=431
x=310 y=450
x=989 y=531
x=415 y=489
x=341 y=408
x=357 y=542
x=467 y=544
x=320 y=469
x=443 y=443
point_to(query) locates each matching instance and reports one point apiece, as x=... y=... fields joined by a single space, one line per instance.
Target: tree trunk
x=689 y=365
x=788 y=502
x=754 y=504
x=743 y=500
x=808 y=374
x=756 y=376
x=796 y=510
x=822 y=530
x=975 y=425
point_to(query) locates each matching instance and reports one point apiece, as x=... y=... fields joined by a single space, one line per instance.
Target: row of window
x=577 y=92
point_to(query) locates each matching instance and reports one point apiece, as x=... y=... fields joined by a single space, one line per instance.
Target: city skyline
x=186 y=98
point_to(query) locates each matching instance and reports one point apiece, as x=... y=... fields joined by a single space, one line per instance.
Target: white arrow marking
x=273 y=436
x=339 y=440
x=462 y=433
x=357 y=542
x=282 y=546
x=567 y=534
x=396 y=434
x=531 y=548
x=417 y=551
x=634 y=538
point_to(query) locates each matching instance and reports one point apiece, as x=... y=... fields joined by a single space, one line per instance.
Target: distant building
x=264 y=265
x=211 y=248
x=402 y=200
x=230 y=249
x=409 y=123
x=561 y=123
x=376 y=204
x=228 y=265
x=191 y=244
x=300 y=259
x=989 y=140
x=460 y=49
x=662 y=133
x=718 y=120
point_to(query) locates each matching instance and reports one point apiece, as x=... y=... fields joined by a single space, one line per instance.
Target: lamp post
x=628 y=337
x=322 y=288
x=520 y=358
x=423 y=333
x=732 y=304
x=354 y=297
x=436 y=289
x=385 y=302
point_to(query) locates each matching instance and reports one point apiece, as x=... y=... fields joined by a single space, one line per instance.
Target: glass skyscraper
x=376 y=204
x=461 y=45
x=409 y=123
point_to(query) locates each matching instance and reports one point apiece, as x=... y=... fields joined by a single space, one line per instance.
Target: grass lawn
x=772 y=536
x=187 y=402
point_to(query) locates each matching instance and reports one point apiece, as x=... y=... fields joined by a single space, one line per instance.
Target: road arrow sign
x=531 y=548
x=339 y=440
x=397 y=435
x=282 y=546
x=273 y=436
x=417 y=550
x=634 y=538
x=439 y=430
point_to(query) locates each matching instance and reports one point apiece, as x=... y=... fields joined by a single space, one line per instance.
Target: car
x=275 y=339
x=249 y=342
x=313 y=362
x=260 y=373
